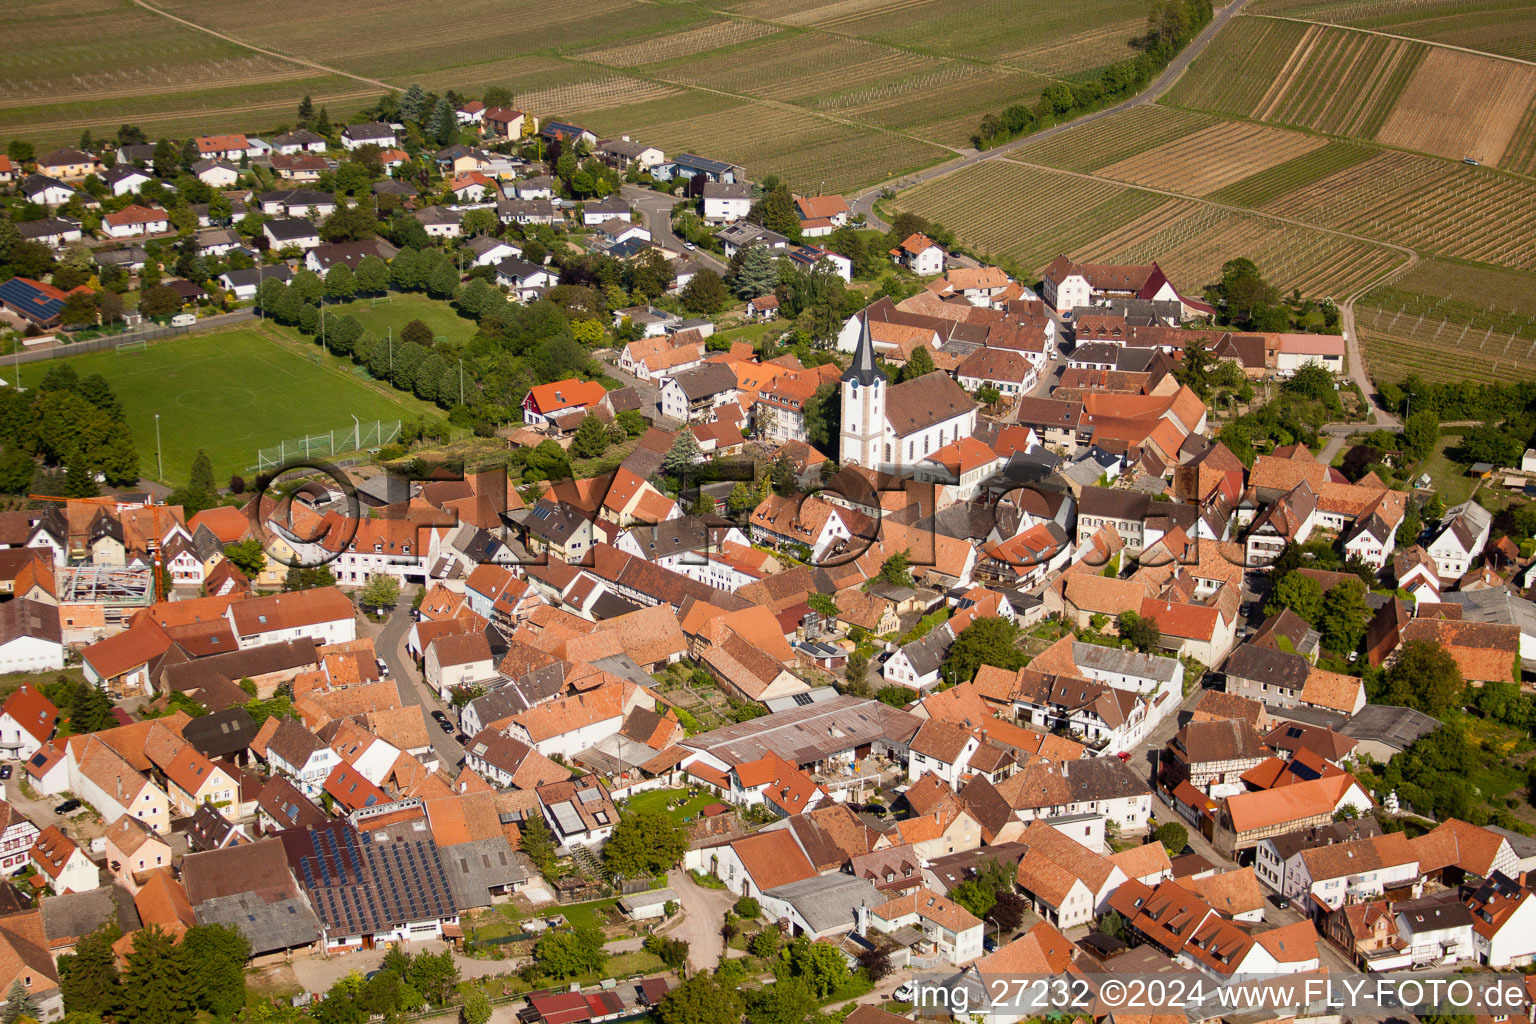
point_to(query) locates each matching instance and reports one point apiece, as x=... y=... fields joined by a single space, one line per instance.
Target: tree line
x=64 y=436
x=1171 y=24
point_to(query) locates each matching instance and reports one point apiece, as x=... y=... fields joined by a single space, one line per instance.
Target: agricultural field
x=1213 y=158
x=1268 y=185
x=1487 y=316
x=1114 y=138
x=1029 y=215
x=1327 y=79
x=97 y=63
x=1461 y=105
x=1506 y=27
x=1442 y=208
x=232 y=393
x=808 y=151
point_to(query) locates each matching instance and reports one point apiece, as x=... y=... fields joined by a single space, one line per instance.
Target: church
x=893 y=427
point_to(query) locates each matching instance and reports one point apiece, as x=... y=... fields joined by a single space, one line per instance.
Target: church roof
x=863 y=368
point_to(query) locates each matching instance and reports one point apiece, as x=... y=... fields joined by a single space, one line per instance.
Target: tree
x=248 y=556
x=1343 y=618
x=88 y=976
x=1244 y=290
x=340 y=283
x=992 y=641
x=705 y=293
x=683 y=455
x=819 y=965
x=413 y=103
x=673 y=952
x=434 y=975
x=417 y=333
x=741 y=497
x=776 y=212
x=643 y=844
x=306 y=111
x=591 y=438
x=856 y=672
x=824 y=416
x=445 y=123
x=765 y=943
x=539 y=845
x=1424 y=677
x=18 y=1004
x=372 y=276
x=79 y=309
x=897 y=570
x=1173 y=836
x=756 y=274
x=476 y=1008
x=155 y=985
x=823 y=605
x=1301 y=594
x=919 y=364
x=1420 y=432
x=702 y=999
x=876 y=964
x=1008 y=912
x=1142 y=632
x=565 y=954
x=214 y=957
x=973 y=896
x=381 y=591
x=160 y=300
x=1113 y=925
x=632 y=422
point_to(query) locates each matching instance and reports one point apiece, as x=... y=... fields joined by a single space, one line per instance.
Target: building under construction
x=96 y=601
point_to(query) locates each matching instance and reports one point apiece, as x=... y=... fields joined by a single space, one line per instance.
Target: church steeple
x=863 y=368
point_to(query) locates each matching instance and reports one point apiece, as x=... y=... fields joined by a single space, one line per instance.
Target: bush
x=748 y=908
x=1173 y=836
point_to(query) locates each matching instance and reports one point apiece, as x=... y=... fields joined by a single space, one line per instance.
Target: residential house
x=61 y=862
x=954 y=932
x=356 y=136
x=726 y=202
x=136 y=220
x=28 y=721
x=920 y=254
x=134 y=850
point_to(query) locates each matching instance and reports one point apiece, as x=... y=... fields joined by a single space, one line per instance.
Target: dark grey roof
x=270 y=927
x=394 y=187
x=1131 y=663
x=208 y=829
x=1268 y=665
x=79 y=913
x=1387 y=723
x=1103 y=778
x=371 y=130
x=476 y=867
x=927 y=652
x=554 y=521
x=221 y=733
x=256 y=275
x=706 y=380
x=811 y=733
x=290 y=228
x=829 y=901
x=1292 y=843
x=701 y=163
x=863 y=368
x=301 y=137
x=358 y=886
x=518 y=269
x=1112 y=503
x=47 y=226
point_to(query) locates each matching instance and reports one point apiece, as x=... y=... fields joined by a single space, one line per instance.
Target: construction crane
x=153 y=544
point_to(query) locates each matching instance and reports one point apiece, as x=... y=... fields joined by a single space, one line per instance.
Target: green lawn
x=402 y=309
x=232 y=392
x=1450 y=477
x=657 y=800
x=586 y=913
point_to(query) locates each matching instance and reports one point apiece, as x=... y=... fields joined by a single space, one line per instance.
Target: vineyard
x=1461 y=105
x=713 y=36
x=1211 y=159
x=1268 y=185
x=1341 y=82
x=1236 y=72
x=806 y=150
x=1506 y=27
x=1450 y=209
x=1032 y=214
x=1114 y=138
x=797 y=66
x=1486 y=316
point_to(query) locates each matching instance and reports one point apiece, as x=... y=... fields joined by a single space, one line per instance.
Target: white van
x=183 y=319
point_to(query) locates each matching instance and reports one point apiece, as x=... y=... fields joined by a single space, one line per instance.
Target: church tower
x=863 y=427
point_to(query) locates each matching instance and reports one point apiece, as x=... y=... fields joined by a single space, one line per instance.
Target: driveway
x=703 y=914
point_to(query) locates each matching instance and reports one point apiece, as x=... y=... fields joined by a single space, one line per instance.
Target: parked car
x=904 y=992
x=445 y=725
x=5 y=771
x=439 y=716
x=67 y=806
x=383 y=667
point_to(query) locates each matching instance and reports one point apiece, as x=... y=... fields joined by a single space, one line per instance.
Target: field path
x=1390 y=35
x=865 y=203
x=270 y=53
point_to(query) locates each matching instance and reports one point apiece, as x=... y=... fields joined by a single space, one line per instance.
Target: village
x=958 y=643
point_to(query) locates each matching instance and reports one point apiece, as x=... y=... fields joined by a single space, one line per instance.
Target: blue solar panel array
x=30 y=301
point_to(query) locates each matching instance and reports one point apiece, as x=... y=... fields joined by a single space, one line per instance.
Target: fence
x=311 y=446
x=106 y=343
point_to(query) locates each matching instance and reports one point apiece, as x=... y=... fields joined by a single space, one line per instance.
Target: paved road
x=656 y=210
x=865 y=203
x=390 y=645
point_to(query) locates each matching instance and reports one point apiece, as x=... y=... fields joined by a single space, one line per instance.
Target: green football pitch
x=231 y=393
